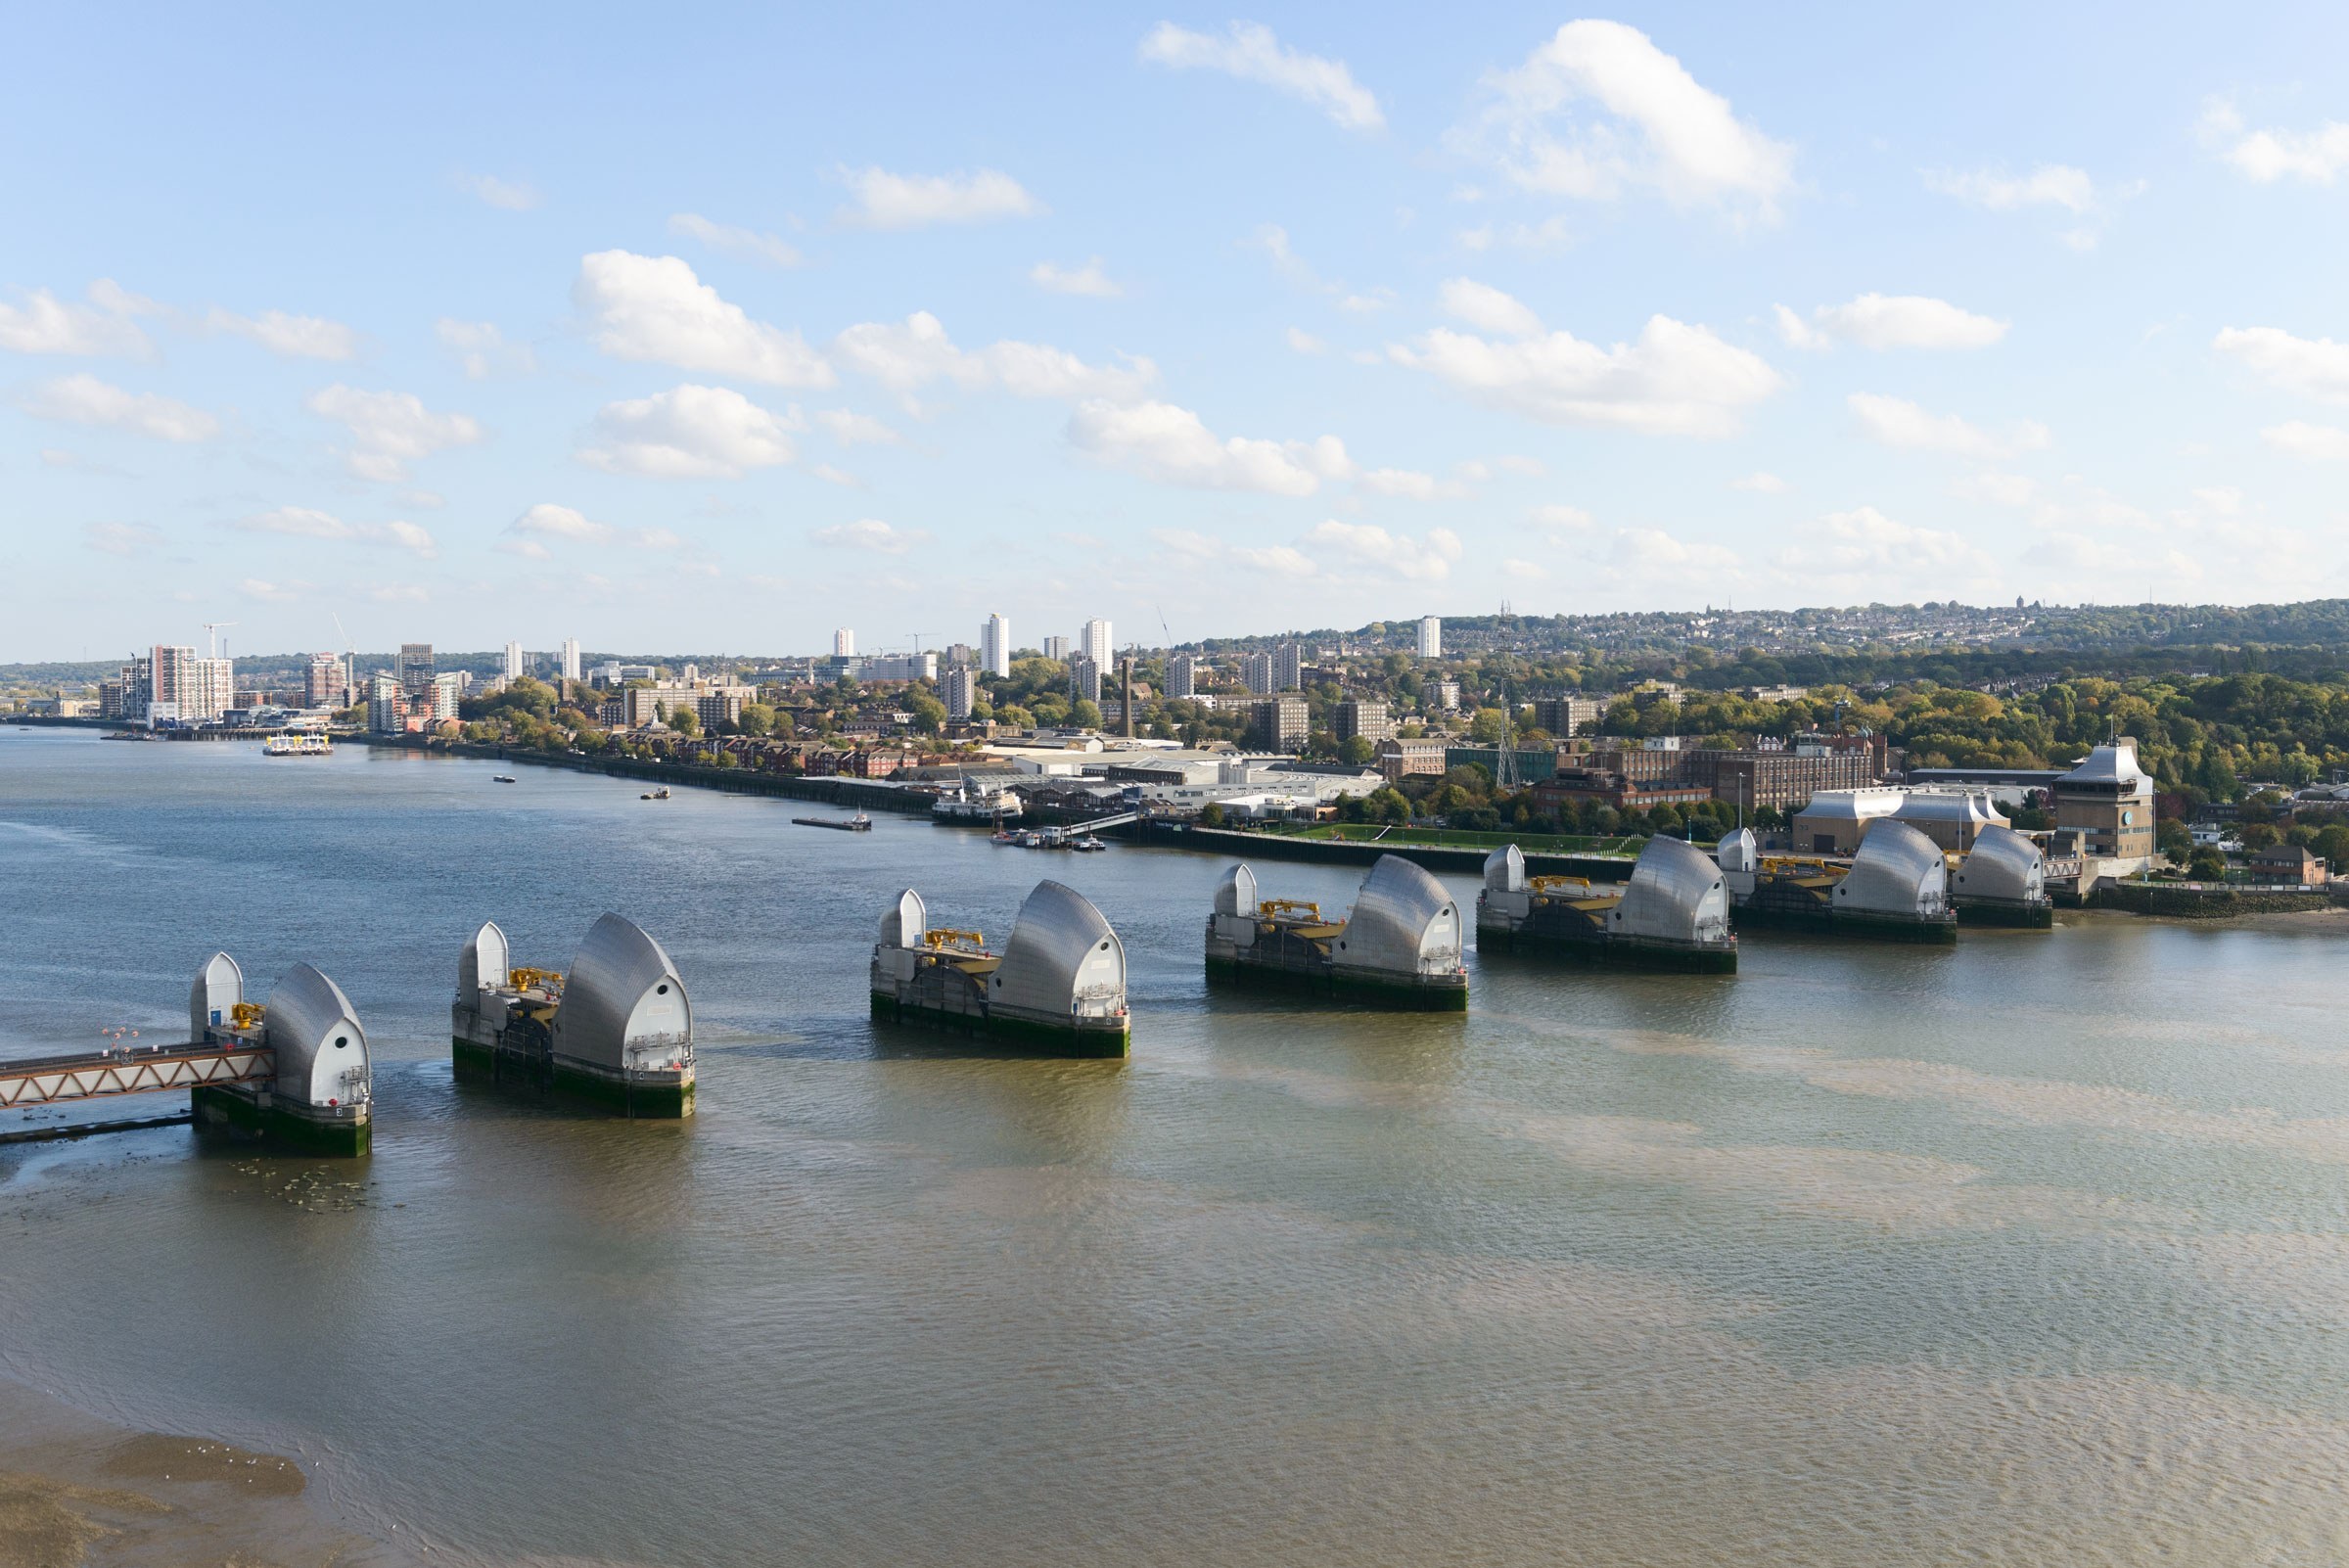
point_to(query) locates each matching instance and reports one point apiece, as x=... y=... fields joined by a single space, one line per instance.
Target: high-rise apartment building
x=1255 y=673
x=447 y=691
x=1093 y=642
x=1365 y=717
x=1431 y=637
x=994 y=647
x=416 y=669
x=1288 y=666
x=1056 y=649
x=512 y=668
x=386 y=705
x=1278 y=723
x=326 y=682
x=182 y=687
x=1183 y=676
x=844 y=643
x=962 y=690
x=1084 y=678
x=571 y=659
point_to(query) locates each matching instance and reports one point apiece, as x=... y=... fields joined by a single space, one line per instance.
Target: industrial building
x=1835 y=821
x=320 y=1092
x=1897 y=887
x=1059 y=984
x=1397 y=948
x=617 y=1030
x=1673 y=913
x=1402 y=758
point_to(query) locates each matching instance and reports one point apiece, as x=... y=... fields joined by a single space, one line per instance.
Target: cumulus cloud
x=886 y=201
x=289 y=336
x=2315 y=442
x=1407 y=483
x=749 y=243
x=307 y=523
x=871 y=534
x=84 y=399
x=508 y=196
x=1250 y=52
x=1867 y=552
x=1597 y=109
x=1087 y=280
x=1897 y=422
x=1305 y=342
x=1365 y=545
x=654 y=308
x=2319 y=157
x=481 y=351
x=908 y=355
x=121 y=538
x=1676 y=380
x=1550 y=234
x=526 y=534
x=2048 y=185
x=688 y=431
x=1762 y=483
x=1172 y=445
x=40 y=323
x=856 y=429
x=389 y=429
x=2314 y=367
x=1486 y=308
x=1891 y=321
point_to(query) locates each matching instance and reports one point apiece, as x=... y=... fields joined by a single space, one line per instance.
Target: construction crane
x=211 y=637
x=350 y=660
x=917 y=637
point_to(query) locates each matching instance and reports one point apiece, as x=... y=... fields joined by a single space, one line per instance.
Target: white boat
x=297 y=743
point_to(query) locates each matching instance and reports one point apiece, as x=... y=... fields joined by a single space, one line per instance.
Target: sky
x=711 y=329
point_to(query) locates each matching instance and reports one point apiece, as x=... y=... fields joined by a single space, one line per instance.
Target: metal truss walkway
x=48 y=1079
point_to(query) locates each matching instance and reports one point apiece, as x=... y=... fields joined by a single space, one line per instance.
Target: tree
x=684 y=720
x=1212 y=814
x=2207 y=864
x=929 y=714
x=1357 y=750
x=1016 y=717
x=1085 y=714
x=2170 y=837
x=757 y=719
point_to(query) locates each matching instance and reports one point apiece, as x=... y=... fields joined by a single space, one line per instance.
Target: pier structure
x=1894 y=889
x=1397 y=948
x=2003 y=881
x=1057 y=988
x=293 y=1073
x=616 y=1030
x=1673 y=913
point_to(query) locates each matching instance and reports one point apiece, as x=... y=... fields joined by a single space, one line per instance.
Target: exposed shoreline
x=77 y=1489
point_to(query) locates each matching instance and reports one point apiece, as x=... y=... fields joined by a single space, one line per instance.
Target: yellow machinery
x=527 y=979
x=245 y=1015
x=1297 y=911
x=940 y=939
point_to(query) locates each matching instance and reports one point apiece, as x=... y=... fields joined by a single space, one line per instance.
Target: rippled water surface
x=2030 y=1251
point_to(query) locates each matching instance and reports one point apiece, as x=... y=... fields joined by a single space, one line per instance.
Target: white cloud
x=1087 y=280
x=121 y=538
x=886 y=201
x=856 y=429
x=2314 y=367
x=837 y=475
x=2315 y=442
x=266 y=591
x=907 y=356
x=749 y=243
x=2319 y=157
x=1305 y=342
x=1878 y=556
x=1550 y=234
x=44 y=323
x=1530 y=467
x=1761 y=483
x=482 y=350
x=1557 y=515
x=389 y=429
x=1273 y=241
x=1172 y=445
x=653 y=308
x=1996 y=490
x=1364 y=544
x=1486 y=308
x=1676 y=380
x=84 y=399
x=1648 y=125
x=688 y=431
x=1251 y=53
x=290 y=337
x=2048 y=185
x=871 y=534
x=1897 y=422
x=1369 y=300
x=307 y=523
x=507 y=196
x=549 y=520
x=1407 y=483
x=1891 y=321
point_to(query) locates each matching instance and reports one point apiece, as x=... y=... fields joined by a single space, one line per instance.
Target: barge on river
x=617 y=1030
x=1894 y=889
x=1674 y=913
x=1058 y=986
x=1399 y=947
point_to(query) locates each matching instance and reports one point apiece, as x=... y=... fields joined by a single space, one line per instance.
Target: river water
x=2033 y=1251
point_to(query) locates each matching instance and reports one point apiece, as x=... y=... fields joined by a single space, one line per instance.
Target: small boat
x=658 y=794
x=1087 y=844
x=501 y=779
x=860 y=824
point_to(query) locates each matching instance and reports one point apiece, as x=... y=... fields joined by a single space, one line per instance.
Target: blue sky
x=717 y=329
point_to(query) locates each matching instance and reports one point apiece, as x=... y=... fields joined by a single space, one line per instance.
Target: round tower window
x=662 y=989
x=342 y=1040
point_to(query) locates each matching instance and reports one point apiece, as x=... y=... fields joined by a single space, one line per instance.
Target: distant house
x=2288 y=865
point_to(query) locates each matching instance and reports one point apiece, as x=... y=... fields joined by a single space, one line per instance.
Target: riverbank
x=76 y=1490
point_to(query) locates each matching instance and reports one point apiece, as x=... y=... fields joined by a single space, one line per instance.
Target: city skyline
x=1645 y=309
